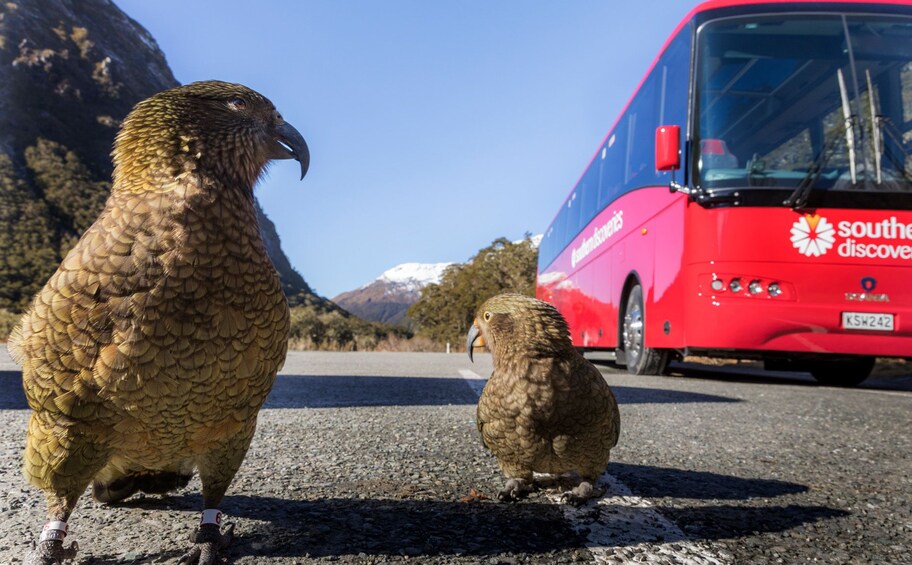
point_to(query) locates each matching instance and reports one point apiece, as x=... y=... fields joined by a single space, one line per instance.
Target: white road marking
x=475 y=381
x=886 y=392
x=620 y=526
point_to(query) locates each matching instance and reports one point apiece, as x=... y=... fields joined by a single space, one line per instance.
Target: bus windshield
x=803 y=105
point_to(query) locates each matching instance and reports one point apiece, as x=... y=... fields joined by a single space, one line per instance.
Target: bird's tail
x=114 y=484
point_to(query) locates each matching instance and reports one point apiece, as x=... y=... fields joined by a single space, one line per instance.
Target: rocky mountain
x=387 y=298
x=69 y=73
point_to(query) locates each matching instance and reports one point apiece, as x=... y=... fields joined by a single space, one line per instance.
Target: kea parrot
x=545 y=409
x=149 y=352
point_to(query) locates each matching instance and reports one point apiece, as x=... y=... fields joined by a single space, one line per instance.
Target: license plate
x=867 y=321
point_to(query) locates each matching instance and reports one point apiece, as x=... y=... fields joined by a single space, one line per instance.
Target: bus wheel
x=641 y=360
x=841 y=372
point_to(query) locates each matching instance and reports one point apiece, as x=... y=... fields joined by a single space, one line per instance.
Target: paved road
x=369 y=458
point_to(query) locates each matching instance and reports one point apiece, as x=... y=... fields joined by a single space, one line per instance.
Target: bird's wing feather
x=64 y=341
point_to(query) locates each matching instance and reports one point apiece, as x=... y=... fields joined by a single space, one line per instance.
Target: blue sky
x=434 y=127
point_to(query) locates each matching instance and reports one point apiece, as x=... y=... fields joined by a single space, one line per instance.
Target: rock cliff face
x=70 y=70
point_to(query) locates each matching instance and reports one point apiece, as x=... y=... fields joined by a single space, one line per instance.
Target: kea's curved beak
x=289 y=144
x=474 y=339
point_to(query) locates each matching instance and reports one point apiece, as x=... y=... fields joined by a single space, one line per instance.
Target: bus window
x=589 y=192
x=611 y=185
x=643 y=119
x=674 y=67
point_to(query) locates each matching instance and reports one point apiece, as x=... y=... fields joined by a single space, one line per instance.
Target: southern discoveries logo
x=813 y=236
x=601 y=234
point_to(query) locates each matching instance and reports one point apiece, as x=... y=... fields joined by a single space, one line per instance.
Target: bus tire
x=841 y=372
x=640 y=360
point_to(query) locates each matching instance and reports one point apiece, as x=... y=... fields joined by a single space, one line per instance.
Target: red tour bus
x=754 y=198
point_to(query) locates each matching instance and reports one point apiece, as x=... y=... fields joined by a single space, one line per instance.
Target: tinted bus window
x=589 y=192
x=626 y=160
x=642 y=121
x=675 y=74
x=613 y=165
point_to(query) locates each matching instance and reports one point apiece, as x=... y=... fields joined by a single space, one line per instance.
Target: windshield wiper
x=849 y=122
x=798 y=199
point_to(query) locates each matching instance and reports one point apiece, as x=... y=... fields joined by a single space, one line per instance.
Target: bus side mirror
x=668 y=148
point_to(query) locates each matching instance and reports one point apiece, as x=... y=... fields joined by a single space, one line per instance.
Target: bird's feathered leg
x=64 y=475
x=113 y=485
x=216 y=470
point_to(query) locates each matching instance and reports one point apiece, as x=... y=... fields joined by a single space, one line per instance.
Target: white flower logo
x=812 y=235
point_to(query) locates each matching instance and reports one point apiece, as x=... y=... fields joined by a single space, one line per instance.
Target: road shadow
x=735 y=373
x=752 y=374
x=755 y=375
x=337 y=526
x=637 y=395
x=341 y=391
x=319 y=392
x=730 y=372
x=334 y=527
x=12 y=397
x=291 y=391
x=733 y=521
x=664 y=482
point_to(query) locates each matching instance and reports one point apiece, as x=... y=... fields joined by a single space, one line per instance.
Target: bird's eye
x=237 y=104
x=487 y=316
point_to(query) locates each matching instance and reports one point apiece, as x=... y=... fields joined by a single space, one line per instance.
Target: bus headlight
x=745 y=286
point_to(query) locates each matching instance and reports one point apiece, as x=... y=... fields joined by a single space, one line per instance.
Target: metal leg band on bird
x=54 y=530
x=211 y=516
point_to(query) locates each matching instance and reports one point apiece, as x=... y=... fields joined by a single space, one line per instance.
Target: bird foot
x=50 y=552
x=207 y=542
x=583 y=492
x=514 y=490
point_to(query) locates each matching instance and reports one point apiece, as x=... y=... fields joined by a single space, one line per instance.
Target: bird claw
x=579 y=495
x=514 y=490
x=50 y=552
x=207 y=542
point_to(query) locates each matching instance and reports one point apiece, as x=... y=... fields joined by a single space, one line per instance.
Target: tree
x=28 y=250
x=68 y=188
x=445 y=311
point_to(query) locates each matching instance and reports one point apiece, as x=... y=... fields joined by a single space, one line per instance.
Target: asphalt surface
x=374 y=458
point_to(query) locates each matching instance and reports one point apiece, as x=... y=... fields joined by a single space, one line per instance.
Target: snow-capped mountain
x=535 y=239
x=413 y=276
x=388 y=297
